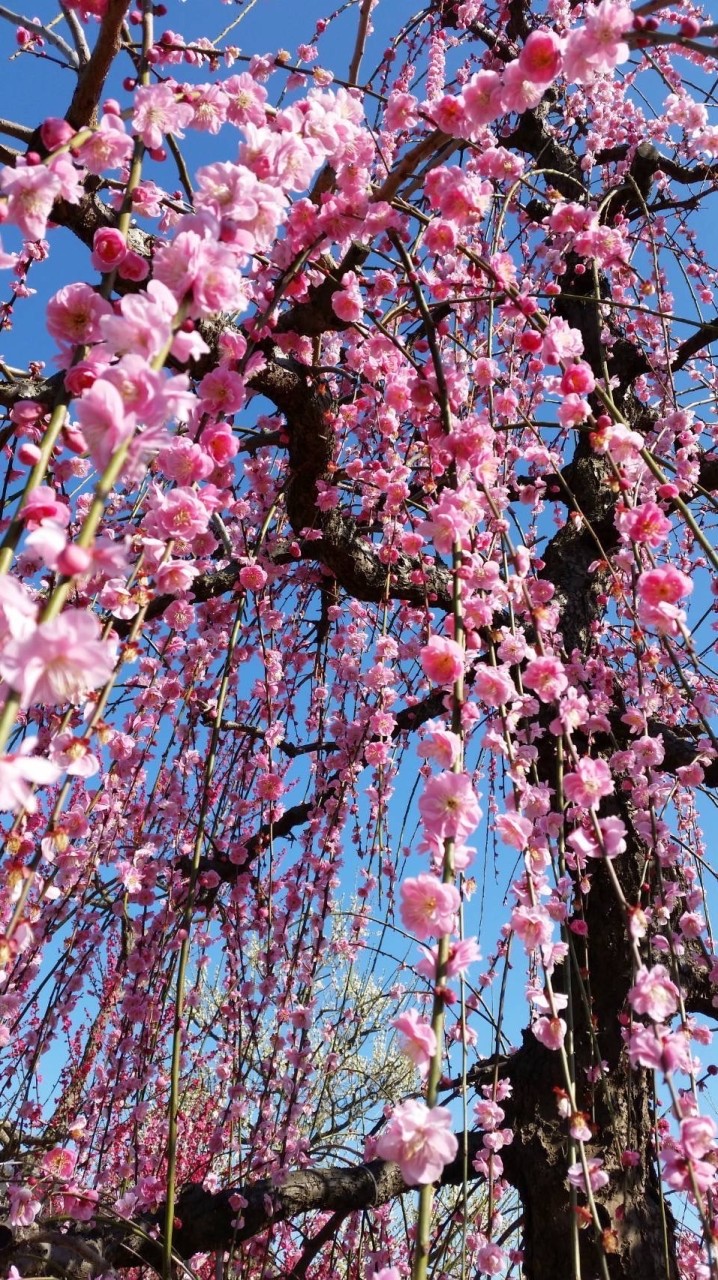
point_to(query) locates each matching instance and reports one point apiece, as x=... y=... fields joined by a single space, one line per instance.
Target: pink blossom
x=73 y=314
x=420 y=1140
x=550 y=1032
x=79 y=1203
x=59 y=1163
x=514 y=829
x=157 y=111
x=540 y=58
x=683 y=1174
x=597 y=1175
x=660 y=1049
x=546 y=677
x=104 y=420
x=482 y=98
x=448 y=806
x=253 y=577
x=491 y=1259
x=347 y=302
x=518 y=92
x=428 y=906
x=439 y=744
x=489 y=1115
x=532 y=925
x=418 y=1039
x=442 y=660
x=493 y=686
x=698 y=1135
x=462 y=953
x=108 y=146
x=589 y=783
x=659 y=591
x=31 y=190
x=20 y=773
x=24 y=1208
x=109 y=249
x=654 y=993
x=60 y=661
x=645 y=524
x=178 y=514
x=43 y=504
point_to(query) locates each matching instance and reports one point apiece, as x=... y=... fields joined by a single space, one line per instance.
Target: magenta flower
x=419 y=1140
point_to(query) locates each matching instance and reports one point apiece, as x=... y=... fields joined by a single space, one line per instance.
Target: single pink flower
x=20 y=773
x=448 y=806
x=541 y=57
x=597 y=1175
x=420 y=1140
x=418 y=1039
x=60 y=661
x=654 y=993
x=545 y=677
x=442 y=660
x=428 y=906
x=589 y=783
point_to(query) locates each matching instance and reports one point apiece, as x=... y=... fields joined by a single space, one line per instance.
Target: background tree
x=361 y=479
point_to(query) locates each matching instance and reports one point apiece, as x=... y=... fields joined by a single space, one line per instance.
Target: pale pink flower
x=73 y=756
x=43 y=504
x=73 y=314
x=518 y=92
x=448 y=806
x=532 y=925
x=60 y=661
x=157 y=111
x=178 y=514
x=659 y=591
x=514 y=829
x=660 y=1049
x=420 y=1140
x=550 y=1032
x=440 y=744
x=654 y=993
x=493 y=686
x=442 y=660
x=19 y=773
x=589 y=783
x=418 y=1039
x=482 y=98
x=489 y=1115
x=104 y=420
x=31 y=190
x=491 y=1259
x=698 y=1135
x=683 y=1174
x=23 y=1206
x=347 y=302
x=108 y=146
x=597 y=1175
x=79 y=1203
x=428 y=906
x=545 y=677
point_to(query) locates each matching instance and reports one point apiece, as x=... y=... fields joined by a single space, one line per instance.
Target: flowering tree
x=356 y=653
